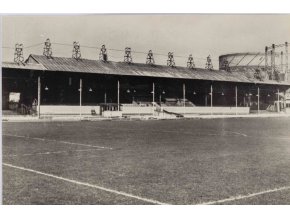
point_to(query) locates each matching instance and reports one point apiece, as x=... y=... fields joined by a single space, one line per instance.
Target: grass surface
x=171 y=161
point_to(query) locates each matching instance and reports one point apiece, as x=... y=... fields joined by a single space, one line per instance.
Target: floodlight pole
x=38 y=96
x=266 y=58
x=81 y=86
x=281 y=64
x=118 y=95
x=273 y=61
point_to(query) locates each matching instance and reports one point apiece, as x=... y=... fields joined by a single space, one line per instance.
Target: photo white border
x=13 y=7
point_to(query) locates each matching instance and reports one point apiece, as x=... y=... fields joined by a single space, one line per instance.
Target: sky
x=199 y=35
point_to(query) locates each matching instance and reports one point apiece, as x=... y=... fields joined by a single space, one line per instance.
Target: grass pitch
x=217 y=161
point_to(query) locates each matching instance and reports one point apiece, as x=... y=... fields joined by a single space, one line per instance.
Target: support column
x=81 y=87
x=153 y=92
x=183 y=94
x=211 y=97
x=153 y=97
x=38 y=96
x=284 y=101
x=258 y=100
x=118 y=97
x=183 y=98
x=278 y=103
x=236 y=93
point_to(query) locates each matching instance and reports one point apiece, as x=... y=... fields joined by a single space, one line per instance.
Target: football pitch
x=206 y=161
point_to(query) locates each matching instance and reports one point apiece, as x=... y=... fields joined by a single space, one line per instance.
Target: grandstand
x=77 y=86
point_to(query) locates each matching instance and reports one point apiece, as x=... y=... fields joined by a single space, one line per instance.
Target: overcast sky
x=199 y=35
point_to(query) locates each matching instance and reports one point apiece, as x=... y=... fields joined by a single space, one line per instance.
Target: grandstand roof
x=136 y=69
x=26 y=66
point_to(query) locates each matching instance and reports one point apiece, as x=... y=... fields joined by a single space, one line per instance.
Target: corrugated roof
x=26 y=66
x=136 y=69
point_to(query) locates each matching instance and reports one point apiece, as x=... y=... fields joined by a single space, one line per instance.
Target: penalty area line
x=53 y=152
x=53 y=140
x=86 y=184
x=240 y=197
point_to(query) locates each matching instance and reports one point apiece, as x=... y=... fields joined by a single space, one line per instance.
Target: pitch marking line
x=52 y=152
x=239 y=197
x=53 y=140
x=182 y=131
x=87 y=184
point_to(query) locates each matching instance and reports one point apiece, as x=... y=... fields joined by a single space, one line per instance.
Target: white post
x=183 y=94
x=38 y=96
x=153 y=93
x=211 y=93
x=183 y=98
x=118 y=95
x=153 y=97
x=236 y=89
x=81 y=85
x=278 y=103
x=284 y=102
x=258 y=100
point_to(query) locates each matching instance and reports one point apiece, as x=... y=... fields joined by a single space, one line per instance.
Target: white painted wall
x=67 y=109
x=112 y=113
x=86 y=110
x=137 y=110
x=208 y=110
